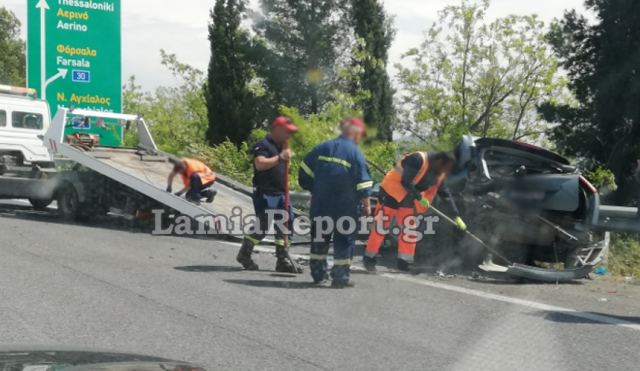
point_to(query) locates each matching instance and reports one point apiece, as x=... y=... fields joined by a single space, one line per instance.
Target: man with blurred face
x=407 y=191
x=336 y=174
x=269 y=162
x=197 y=178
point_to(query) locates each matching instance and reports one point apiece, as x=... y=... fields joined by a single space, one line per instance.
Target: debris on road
x=601 y=271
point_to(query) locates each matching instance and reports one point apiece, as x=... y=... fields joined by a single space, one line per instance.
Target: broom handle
x=286 y=194
x=473 y=236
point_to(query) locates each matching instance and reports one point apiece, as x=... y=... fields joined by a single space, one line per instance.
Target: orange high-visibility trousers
x=406 y=243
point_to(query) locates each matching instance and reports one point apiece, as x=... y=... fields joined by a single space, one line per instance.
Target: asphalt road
x=91 y=286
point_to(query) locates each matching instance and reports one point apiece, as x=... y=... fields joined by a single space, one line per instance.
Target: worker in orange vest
x=406 y=191
x=197 y=178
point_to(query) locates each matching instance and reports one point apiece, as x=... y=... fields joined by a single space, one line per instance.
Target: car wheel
x=68 y=203
x=40 y=204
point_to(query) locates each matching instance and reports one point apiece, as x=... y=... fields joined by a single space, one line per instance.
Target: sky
x=180 y=27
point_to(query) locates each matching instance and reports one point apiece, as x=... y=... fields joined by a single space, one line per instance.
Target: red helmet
x=357 y=122
x=284 y=122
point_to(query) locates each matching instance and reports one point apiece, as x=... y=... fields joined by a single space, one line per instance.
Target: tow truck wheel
x=40 y=204
x=68 y=203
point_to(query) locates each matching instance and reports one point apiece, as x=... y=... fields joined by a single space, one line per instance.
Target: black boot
x=283 y=264
x=193 y=200
x=211 y=195
x=369 y=264
x=244 y=256
x=404 y=266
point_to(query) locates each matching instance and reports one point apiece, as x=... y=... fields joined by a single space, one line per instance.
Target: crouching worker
x=336 y=174
x=269 y=163
x=407 y=191
x=197 y=178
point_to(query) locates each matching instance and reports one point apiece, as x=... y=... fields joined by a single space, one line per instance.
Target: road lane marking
x=593 y=317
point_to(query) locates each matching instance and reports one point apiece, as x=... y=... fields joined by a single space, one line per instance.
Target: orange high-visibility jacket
x=194 y=166
x=392 y=183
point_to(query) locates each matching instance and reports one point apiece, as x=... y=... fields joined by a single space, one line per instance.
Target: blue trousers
x=197 y=190
x=262 y=204
x=343 y=250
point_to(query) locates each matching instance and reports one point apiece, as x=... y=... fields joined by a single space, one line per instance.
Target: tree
x=12 y=55
x=299 y=49
x=602 y=62
x=485 y=78
x=231 y=102
x=375 y=33
x=177 y=116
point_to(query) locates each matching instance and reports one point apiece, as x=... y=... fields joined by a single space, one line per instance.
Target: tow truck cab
x=24 y=119
x=25 y=162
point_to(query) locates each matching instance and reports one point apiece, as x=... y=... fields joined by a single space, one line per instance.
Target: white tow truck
x=93 y=179
x=24 y=161
x=132 y=180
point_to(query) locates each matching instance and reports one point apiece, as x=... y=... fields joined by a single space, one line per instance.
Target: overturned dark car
x=530 y=205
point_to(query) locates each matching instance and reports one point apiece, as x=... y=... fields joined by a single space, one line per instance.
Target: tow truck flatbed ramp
x=155 y=170
x=146 y=173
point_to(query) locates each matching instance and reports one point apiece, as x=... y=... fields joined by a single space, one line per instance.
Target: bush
x=381 y=156
x=324 y=126
x=235 y=162
x=603 y=179
x=226 y=159
x=624 y=256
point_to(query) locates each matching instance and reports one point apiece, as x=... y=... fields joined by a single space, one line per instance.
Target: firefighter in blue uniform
x=336 y=174
x=269 y=159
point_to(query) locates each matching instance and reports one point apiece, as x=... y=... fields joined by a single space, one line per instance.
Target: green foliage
x=603 y=179
x=299 y=50
x=470 y=75
x=323 y=126
x=232 y=104
x=12 y=50
x=177 y=116
x=177 y=120
x=226 y=158
x=624 y=256
x=382 y=156
x=601 y=60
x=314 y=129
x=375 y=32
x=295 y=57
x=235 y=161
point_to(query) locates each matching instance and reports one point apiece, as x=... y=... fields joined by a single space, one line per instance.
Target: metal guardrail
x=618 y=219
x=298 y=199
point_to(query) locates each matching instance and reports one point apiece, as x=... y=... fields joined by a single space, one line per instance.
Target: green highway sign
x=74 y=59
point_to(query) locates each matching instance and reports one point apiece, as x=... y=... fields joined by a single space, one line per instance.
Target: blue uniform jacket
x=336 y=173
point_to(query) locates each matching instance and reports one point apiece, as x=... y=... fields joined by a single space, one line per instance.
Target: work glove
x=413 y=192
x=169 y=189
x=460 y=224
x=425 y=202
